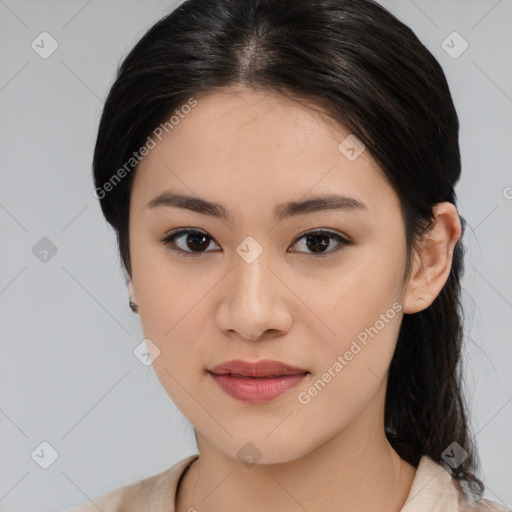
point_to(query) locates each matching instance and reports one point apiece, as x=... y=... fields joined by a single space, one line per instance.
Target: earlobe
x=418 y=294
x=133 y=299
x=131 y=291
x=433 y=260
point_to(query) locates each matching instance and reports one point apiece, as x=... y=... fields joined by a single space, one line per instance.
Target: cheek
x=362 y=349
x=171 y=316
x=350 y=376
x=166 y=293
x=354 y=298
x=179 y=367
x=361 y=308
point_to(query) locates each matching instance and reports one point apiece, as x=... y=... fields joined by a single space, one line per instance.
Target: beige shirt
x=433 y=490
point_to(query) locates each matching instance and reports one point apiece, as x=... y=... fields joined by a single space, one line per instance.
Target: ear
x=433 y=259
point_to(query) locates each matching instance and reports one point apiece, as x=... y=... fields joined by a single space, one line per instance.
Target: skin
x=250 y=151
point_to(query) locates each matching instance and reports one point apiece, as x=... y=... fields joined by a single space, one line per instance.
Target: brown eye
x=319 y=241
x=191 y=242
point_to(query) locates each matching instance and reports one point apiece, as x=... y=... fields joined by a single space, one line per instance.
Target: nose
x=255 y=304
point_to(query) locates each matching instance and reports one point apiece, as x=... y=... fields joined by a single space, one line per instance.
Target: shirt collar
x=432 y=489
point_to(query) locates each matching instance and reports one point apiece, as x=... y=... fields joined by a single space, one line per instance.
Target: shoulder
x=155 y=493
x=467 y=504
x=434 y=489
x=484 y=505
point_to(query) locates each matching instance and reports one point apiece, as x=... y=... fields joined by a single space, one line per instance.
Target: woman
x=280 y=176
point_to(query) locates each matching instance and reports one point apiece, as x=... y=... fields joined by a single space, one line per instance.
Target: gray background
x=68 y=373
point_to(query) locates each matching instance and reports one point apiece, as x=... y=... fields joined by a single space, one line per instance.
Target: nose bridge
x=251 y=302
x=252 y=280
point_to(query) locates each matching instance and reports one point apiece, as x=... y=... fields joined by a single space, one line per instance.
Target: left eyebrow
x=281 y=211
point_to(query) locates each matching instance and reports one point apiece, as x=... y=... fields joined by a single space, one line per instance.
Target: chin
x=260 y=450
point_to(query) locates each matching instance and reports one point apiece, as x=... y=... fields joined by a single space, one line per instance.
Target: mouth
x=256 y=382
x=260 y=369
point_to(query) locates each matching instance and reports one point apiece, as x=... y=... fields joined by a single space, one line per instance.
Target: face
x=319 y=289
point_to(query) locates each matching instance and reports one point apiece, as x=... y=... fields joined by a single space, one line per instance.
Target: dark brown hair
x=376 y=78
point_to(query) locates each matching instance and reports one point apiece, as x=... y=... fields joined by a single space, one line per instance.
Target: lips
x=261 y=369
x=258 y=382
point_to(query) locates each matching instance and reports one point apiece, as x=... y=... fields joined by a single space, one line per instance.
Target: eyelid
x=334 y=235
x=342 y=240
x=170 y=237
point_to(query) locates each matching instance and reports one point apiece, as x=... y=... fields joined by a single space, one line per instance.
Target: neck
x=355 y=470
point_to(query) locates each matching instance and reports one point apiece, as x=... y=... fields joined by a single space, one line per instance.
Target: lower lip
x=257 y=390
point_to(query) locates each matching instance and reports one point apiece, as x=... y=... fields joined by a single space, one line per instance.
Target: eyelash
x=168 y=241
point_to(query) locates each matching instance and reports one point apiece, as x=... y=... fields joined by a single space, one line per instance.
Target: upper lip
x=264 y=368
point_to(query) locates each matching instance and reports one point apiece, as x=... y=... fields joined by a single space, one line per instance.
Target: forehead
x=249 y=147
x=249 y=121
